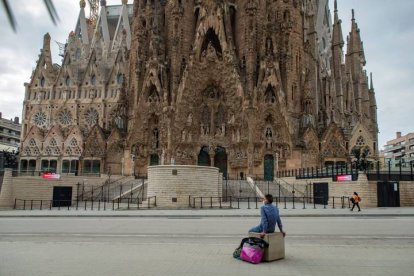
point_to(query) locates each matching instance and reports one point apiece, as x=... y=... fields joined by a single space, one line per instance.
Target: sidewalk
x=243 y=212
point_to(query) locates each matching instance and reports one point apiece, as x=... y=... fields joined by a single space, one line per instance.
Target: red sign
x=341 y=178
x=49 y=175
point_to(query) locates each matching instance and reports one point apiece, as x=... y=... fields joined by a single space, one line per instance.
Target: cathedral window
x=56 y=151
x=155 y=139
x=36 y=151
x=42 y=82
x=211 y=38
x=68 y=151
x=39 y=118
x=153 y=96
x=269 y=97
x=77 y=151
x=93 y=79
x=91 y=117
x=360 y=141
x=32 y=143
x=269 y=133
x=78 y=53
x=27 y=151
x=67 y=81
x=48 y=151
x=220 y=116
x=205 y=116
x=120 y=78
x=65 y=117
x=53 y=142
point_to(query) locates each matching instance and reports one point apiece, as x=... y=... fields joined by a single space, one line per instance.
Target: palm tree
x=49 y=5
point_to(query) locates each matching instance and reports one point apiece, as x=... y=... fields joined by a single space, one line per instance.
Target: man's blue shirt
x=269 y=217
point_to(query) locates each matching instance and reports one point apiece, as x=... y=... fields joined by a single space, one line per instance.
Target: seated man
x=269 y=216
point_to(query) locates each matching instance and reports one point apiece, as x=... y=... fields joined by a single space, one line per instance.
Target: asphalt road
x=202 y=246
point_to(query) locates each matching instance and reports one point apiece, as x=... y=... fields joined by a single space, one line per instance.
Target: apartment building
x=400 y=150
x=10 y=131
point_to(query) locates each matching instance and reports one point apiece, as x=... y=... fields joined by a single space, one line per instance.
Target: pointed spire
x=104 y=25
x=82 y=22
x=353 y=15
x=123 y=27
x=335 y=6
x=337 y=37
x=46 y=50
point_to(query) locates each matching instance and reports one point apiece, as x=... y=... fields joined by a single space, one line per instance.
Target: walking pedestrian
x=355 y=199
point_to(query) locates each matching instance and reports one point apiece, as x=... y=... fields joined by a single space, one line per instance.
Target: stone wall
x=36 y=188
x=172 y=184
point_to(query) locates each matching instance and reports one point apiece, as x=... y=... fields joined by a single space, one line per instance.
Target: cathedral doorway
x=154 y=160
x=220 y=160
x=204 y=157
x=269 y=167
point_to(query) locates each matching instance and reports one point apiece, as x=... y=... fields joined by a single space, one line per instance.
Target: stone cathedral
x=248 y=86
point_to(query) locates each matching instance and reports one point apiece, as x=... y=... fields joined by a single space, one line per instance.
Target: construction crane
x=94 y=10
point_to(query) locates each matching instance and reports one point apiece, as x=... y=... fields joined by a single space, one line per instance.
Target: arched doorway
x=220 y=160
x=154 y=160
x=269 y=167
x=204 y=157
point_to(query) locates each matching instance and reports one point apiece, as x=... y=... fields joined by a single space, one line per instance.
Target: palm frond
x=10 y=15
x=49 y=5
x=52 y=11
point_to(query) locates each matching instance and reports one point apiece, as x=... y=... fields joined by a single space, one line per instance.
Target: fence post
x=389 y=170
x=400 y=170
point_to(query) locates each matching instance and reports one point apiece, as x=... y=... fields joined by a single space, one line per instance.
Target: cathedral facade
x=248 y=86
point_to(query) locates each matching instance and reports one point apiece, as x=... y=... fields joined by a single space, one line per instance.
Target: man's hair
x=269 y=198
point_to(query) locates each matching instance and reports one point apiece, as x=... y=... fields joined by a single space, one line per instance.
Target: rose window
x=91 y=117
x=39 y=118
x=65 y=117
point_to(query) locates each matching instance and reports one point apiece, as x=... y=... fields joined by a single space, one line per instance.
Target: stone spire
x=103 y=22
x=82 y=23
x=123 y=27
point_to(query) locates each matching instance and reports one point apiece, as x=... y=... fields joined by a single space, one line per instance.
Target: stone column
x=6 y=193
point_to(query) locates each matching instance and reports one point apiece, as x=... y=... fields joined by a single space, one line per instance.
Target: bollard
x=113 y=204
x=104 y=205
x=77 y=204
x=41 y=204
x=58 y=204
x=128 y=202
x=248 y=202
x=211 y=202
x=50 y=205
x=238 y=203
x=85 y=205
x=99 y=205
x=230 y=203
x=15 y=202
x=285 y=202
x=24 y=204
x=256 y=202
x=92 y=205
x=293 y=201
x=189 y=201
x=220 y=201
x=31 y=204
x=304 y=207
x=70 y=203
x=201 y=202
x=333 y=202
x=314 y=204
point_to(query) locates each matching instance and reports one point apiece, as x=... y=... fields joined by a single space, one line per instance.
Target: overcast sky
x=386 y=30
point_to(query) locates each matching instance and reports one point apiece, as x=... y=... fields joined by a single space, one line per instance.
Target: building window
x=93 y=79
x=65 y=117
x=120 y=78
x=91 y=117
x=67 y=81
x=42 y=82
x=39 y=118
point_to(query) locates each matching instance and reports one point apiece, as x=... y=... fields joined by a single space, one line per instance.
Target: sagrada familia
x=248 y=86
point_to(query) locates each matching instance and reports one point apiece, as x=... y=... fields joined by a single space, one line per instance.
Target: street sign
x=49 y=175
x=342 y=178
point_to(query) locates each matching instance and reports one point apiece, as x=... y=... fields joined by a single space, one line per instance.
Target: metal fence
x=285 y=202
x=120 y=204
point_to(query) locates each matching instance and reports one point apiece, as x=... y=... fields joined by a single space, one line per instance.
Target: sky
x=386 y=30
